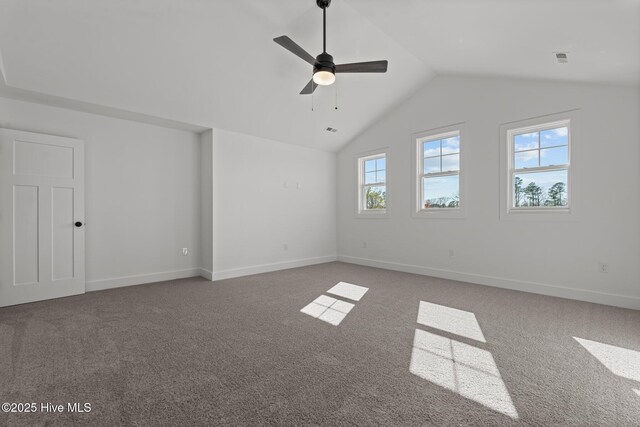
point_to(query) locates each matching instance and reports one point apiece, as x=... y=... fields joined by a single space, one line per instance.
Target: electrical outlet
x=451 y=253
x=364 y=245
x=185 y=251
x=285 y=247
x=603 y=267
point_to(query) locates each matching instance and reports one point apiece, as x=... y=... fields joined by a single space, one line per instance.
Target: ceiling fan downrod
x=324 y=4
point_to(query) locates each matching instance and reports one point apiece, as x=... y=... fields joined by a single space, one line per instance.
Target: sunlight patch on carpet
x=467 y=370
x=459 y=322
x=621 y=361
x=327 y=309
x=462 y=368
x=348 y=290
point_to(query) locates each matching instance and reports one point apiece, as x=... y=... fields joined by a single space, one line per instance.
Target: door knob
x=78 y=224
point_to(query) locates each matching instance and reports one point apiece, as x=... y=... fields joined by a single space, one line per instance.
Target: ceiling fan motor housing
x=324 y=62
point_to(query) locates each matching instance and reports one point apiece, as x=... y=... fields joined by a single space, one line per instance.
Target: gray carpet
x=240 y=352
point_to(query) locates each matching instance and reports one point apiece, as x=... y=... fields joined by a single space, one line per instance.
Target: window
x=538 y=154
x=440 y=177
x=372 y=184
x=438 y=172
x=540 y=166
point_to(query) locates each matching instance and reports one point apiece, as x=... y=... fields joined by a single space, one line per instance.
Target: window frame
x=417 y=141
x=361 y=211
x=570 y=120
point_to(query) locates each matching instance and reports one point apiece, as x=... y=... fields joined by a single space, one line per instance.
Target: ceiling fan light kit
x=324 y=78
x=324 y=69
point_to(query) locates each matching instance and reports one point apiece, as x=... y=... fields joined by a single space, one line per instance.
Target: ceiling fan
x=324 y=69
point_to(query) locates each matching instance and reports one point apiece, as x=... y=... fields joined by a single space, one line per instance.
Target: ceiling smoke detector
x=330 y=129
x=562 y=57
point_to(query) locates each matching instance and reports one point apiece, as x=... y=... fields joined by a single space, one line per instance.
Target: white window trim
x=360 y=159
x=569 y=119
x=417 y=209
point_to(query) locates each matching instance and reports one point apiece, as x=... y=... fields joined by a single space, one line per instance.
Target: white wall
x=556 y=258
x=258 y=206
x=142 y=192
x=150 y=191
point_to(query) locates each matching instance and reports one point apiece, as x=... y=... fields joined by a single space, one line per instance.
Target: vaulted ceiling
x=212 y=63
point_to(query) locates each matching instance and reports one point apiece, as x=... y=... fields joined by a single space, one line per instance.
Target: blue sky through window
x=451 y=145
x=554 y=156
x=375 y=170
x=441 y=146
x=554 y=137
x=441 y=155
x=526 y=141
x=438 y=188
x=545 y=148
x=431 y=148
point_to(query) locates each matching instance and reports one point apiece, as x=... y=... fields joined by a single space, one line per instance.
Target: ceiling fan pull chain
x=336 y=94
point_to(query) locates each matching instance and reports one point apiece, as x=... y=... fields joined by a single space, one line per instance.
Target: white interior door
x=41 y=217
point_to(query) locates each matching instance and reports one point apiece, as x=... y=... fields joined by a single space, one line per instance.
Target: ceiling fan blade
x=309 y=88
x=363 y=67
x=293 y=47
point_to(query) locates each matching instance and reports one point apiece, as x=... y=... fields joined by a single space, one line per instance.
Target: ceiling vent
x=331 y=130
x=562 y=58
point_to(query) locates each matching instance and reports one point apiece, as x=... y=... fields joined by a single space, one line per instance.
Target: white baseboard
x=139 y=279
x=265 y=268
x=500 y=282
x=206 y=274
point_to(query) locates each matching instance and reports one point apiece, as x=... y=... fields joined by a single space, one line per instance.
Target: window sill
x=562 y=214
x=546 y=211
x=377 y=214
x=439 y=213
